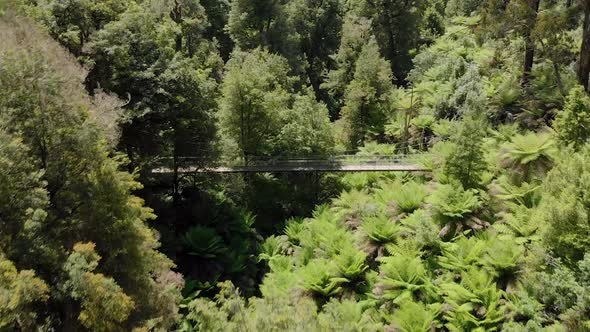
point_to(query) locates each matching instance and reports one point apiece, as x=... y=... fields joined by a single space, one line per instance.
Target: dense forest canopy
x=491 y=98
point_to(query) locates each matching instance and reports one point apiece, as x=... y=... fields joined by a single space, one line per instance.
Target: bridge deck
x=338 y=163
x=296 y=168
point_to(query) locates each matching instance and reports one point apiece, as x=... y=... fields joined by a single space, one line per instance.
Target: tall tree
x=584 y=65
x=218 y=15
x=264 y=23
x=553 y=33
x=355 y=33
x=531 y=13
x=256 y=88
x=572 y=124
x=318 y=25
x=465 y=162
x=366 y=100
x=260 y=113
x=71 y=191
x=169 y=75
x=72 y=23
x=397 y=28
x=500 y=17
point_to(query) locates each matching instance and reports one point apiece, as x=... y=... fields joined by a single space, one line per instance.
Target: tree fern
x=476 y=303
x=352 y=205
x=347 y=315
x=522 y=225
x=317 y=278
x=203 y=242
x=527 y=194
x=294 y=229
x=380 y=230
x=350 y=263
x=407 y=197
x=422 y=228
x=416 y=317
x=454 y=208
x=281 y=279
x=503 y=258
x=402 y=278
x=323 y=238
x=463 y=253
x=273 y=246
x=530 y=155
x=454 y=203
x=409 y=247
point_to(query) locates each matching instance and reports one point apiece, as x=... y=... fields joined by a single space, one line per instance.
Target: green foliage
x=415 y=23
x=347 y=315
x=257 y=89
x=573 y=122
x=262 y=24
x=355 y=204
x=366 y=97
x=463 y=253
x=564 y=207
x=324 y=238
x=255 y=86
x=559 y=289
x=105 y=307
x=72 y=24
x=350 y=263
x=495 y=238
x=355 y=32
x=305 y=129
x=521 y=225
x=77 y=193
x=155 y=54
x=423 y=230
x=19 y=292
x=293 y=230
x=466 y=163
x=504 y=258
x=526 y=194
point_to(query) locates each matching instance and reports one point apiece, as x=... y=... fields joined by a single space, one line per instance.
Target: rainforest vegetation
x=491 y=97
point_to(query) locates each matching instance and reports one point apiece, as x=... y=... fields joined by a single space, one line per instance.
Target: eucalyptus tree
x=66 y=203
x=73 y=23
x=401 y=27
x=156 y=55
x=318 y=26
x=515 y=16
x=584 y=65
x=572 y=123
x=261 y=114
x=355 y=32
x=367 y=97
x=266 y=24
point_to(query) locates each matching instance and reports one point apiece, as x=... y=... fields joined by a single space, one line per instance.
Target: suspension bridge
x=339 y=163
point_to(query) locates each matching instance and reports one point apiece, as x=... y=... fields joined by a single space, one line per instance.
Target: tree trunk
x=176 y=16
x=529 y=54
x=175 y=176
x=584 y=67
x=558 y=78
